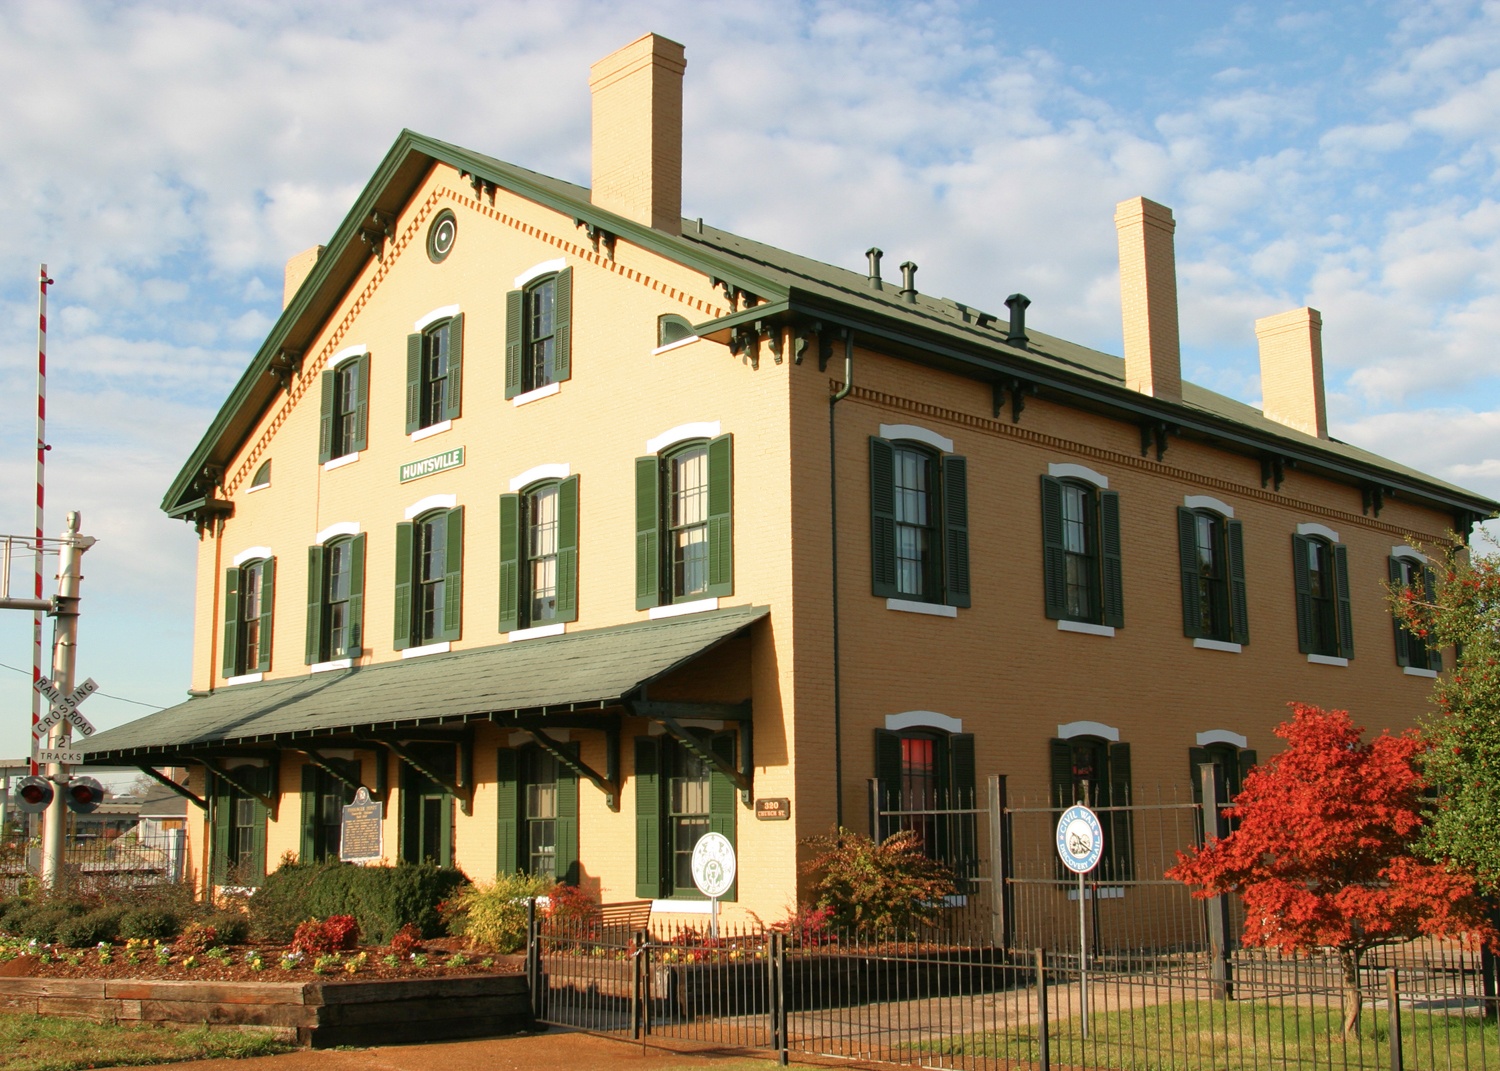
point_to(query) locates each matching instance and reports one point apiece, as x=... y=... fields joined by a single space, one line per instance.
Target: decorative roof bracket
x=181 y=790
x=1154 y=433
x=610 y=785
x=268 y=801
x=1018 y=389
x=1374 y=499
x=376 y=233
x=597 y=234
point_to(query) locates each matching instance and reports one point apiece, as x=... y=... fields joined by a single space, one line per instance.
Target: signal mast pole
x=41 y=485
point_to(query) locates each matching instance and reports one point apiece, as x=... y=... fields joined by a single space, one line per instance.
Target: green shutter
x=453 y=398
x=325 y=422
x=314 y=645
x=567 y=549
x=362 y=403
x=1302 y=580
x=888 y=777
x=413 y=383
x=1112 y=587
x=722 y=797
x=1197 y=756
x=267 y=605
x=1403 y=637
x=1187 y=558
x=1119 y=862
x=1060 y=755
x=309 y=848
x=720 y=516
x=962 y=854
x=453 y=579
x=565 y=826
x=260 y=780
x=1434 y=652
x=510 y=562
x=1346 y=617
x=648 y=868
x=404 y=563
x=647 y=533
x=220 y=817
x=1239 y=602
x=956 y=530
x=1247 y=763
x=356 y=597
x=1054 y=557
x=882 y=518
x=515 y=315
x=231 y=622
x=508 y=802
x=562 y=325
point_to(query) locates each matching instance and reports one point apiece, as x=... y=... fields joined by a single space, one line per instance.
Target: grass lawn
x=50 y=1043
x=1214 y=1036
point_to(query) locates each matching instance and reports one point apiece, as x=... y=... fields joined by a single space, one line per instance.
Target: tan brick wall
x=637 y=125
x=1291 y=369
x=1148 y=298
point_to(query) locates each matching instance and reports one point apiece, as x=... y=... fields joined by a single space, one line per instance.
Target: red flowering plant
x=406 y=940
x=1324 y=853
x=336 y=933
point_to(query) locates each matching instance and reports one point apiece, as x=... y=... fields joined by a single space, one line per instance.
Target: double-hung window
x=335 y=599
x=429 y=578
x=685 y=523
x=1320 y=572
x=1410 y=573
x=1096 y=773
x=1234 y=765
x=434 y=373
x=426 y=804
x=539 y=555
x=1081 y=551
x=926 y=780
x=324 y=797
x=538 y=813
x=238 y=817
x=680 y=795
x=249 y=596
x=1211 y=553
x=919 y=522
x=345 y=408
x=538 y=333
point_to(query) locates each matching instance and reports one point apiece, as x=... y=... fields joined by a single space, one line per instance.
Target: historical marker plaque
x=360 y=839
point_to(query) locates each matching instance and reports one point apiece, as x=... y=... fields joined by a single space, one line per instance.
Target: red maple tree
x=1323 y=853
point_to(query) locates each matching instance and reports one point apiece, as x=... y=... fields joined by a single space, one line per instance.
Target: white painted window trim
x=682 y=907
x=245 y=678
x=538 y=473
x=1088 y=728
x=698 y=429
x=340 y=462
x=249 y=554
x=442 y=647
x=1207 y=502
x=1418 y=671
x=917 y=433
x=911 y=606
x=336 y=663
x=444 y=312
x=258 y=487
x=430 y=430
x=520 y=738
x=536 y=633
x=656 y=728
x=1313 y=529
x=342 y=528
x=1217 y=645
x=1327 y=660
x=1087 y=628
x=1404 y=551
x=536 y=395
x=678 y=609
x=346 y=355
x=536 y=271
x=923 y=719
x=1067 y=470
x=670 y=346
x=1222 y=736
x=421 y=506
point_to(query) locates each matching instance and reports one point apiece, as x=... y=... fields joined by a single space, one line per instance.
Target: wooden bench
x=622 y=920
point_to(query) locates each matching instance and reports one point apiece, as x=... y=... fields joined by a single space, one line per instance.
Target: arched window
x=539 y=555
x=919 y=518
x=926 y=783
x=1095 y=772
x=249 y=597
x=434 y=373
x=672 y=328
x=1320 y=569
x=262 y=477
x=429 y=578
x=1409 y=572
x=335 y=599
x=1212 y=557
x=1081 y=551
x=684 y=522
x=538 y=332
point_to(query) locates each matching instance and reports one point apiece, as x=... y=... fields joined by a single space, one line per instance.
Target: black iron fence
x=129 y=859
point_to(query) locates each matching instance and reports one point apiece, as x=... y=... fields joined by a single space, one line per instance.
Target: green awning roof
x=579 y=671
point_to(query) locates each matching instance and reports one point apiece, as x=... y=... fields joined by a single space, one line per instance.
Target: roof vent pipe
x=1017 y=303
x=874 y=254
x=909 y=283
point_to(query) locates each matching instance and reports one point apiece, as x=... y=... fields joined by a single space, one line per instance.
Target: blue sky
x=165 y=159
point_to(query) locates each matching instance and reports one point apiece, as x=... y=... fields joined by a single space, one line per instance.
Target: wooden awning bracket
x=610 y=786
x=463 y=789
x=167 y=782
x=742 y=777
x=317 y=759
x=269 y=801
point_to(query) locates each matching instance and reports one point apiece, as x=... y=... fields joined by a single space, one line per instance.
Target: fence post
x=644 y=944
x=1215 y=825
x=1393 y=1001
x=1043 y=1048
x=640 y=983
x=534 y=958
x=779 y=1033
x=1003 y=925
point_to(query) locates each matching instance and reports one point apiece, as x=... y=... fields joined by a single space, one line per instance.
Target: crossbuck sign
x=64 y=706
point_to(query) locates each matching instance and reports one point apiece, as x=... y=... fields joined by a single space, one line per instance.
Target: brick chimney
x=1291 y=370
x=1148 y=298
x=297 y=270
x=638 y=132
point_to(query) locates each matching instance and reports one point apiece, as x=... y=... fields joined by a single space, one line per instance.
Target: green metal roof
x=588 y=670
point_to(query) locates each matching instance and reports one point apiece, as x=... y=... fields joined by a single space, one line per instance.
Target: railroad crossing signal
x=33 y=794
x=83 y=794
x=64 y=706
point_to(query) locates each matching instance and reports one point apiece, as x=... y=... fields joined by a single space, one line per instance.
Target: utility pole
x=64 y=664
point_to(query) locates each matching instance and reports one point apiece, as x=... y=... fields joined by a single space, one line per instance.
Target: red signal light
x=84 y=794
x=33 y=794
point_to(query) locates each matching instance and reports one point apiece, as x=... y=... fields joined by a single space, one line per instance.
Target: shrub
x=149 y=923
x=86 y=931
x=572 y=906
x=196 y=938
x=233 y=927
x=336 y=933
x=41 y=921
x=886 y=888
x=807 y=926
x=494 y=915
x=381 y=899
x=406 y=941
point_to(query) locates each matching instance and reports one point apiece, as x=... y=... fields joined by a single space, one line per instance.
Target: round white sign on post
x=713 y=865
x=1080 y=839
